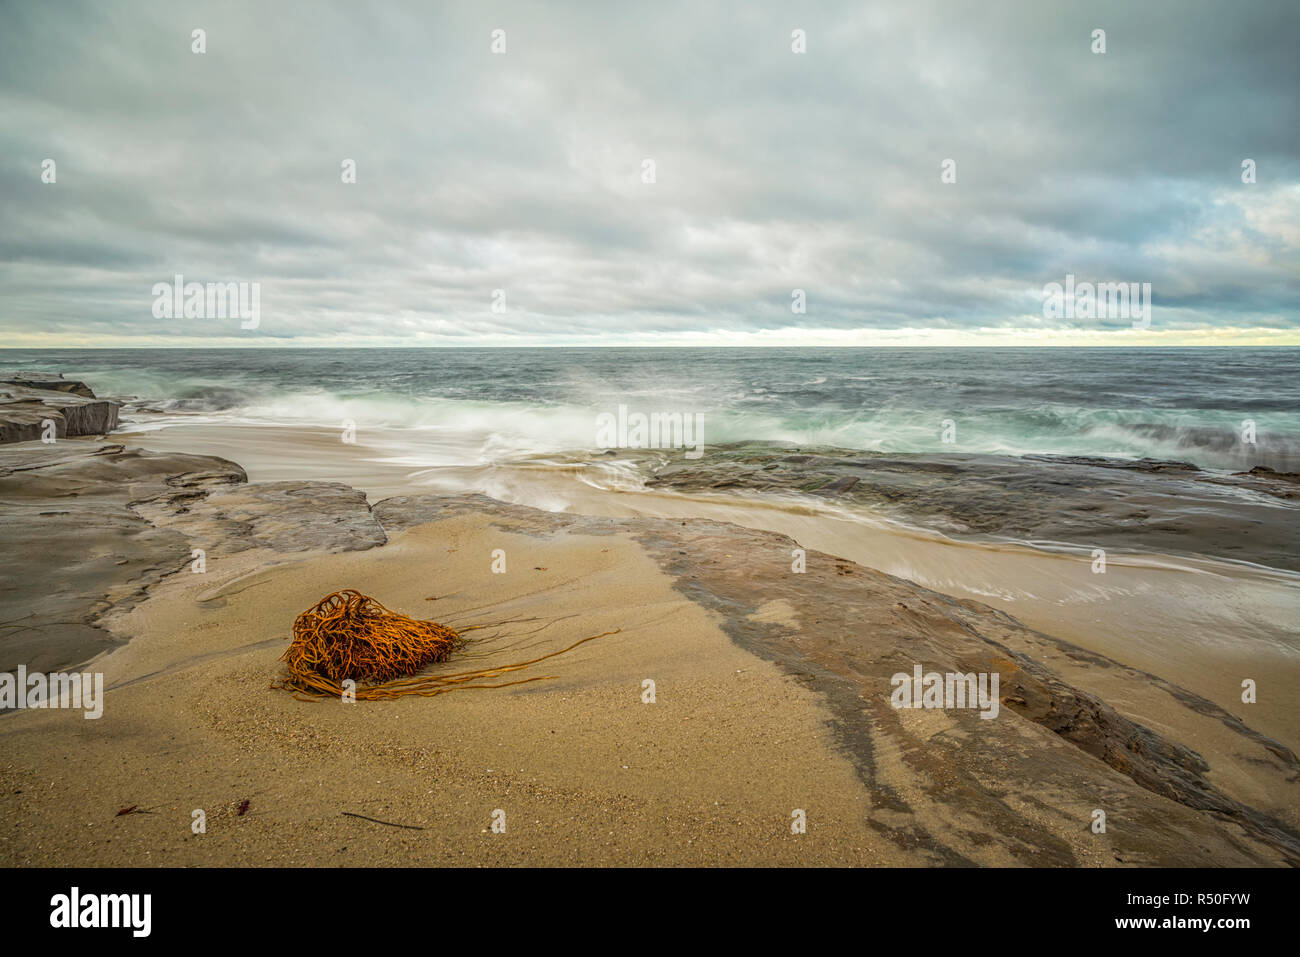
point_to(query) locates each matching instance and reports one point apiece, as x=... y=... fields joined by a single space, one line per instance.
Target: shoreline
x=766 y=595
x=1149 y=610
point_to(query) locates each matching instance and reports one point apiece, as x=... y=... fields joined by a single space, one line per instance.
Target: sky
x=501 y=198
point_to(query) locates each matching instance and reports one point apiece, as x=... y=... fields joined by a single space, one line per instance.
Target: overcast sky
x=774 y=170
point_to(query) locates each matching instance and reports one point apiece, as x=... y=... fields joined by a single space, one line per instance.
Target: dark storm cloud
x=521 y=172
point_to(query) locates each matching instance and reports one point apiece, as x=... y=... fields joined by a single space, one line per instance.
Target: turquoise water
x=1186 y=404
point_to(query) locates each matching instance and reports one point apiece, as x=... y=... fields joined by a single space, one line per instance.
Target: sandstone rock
x=90 y=527
x=48 y=381
x=27 y=400
x=1143 y=505
x=282 y=516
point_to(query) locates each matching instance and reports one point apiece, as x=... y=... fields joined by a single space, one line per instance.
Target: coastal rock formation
x=281 y=516
x=1168 y=507
x=29 y=399
x=92 y=526
x=47 y=381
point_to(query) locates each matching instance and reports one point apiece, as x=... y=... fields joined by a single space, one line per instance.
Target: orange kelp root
x=350 y=636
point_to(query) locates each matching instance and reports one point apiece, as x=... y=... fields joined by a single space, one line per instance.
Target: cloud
x=522 y=171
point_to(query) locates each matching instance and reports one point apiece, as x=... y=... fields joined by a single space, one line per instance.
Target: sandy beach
x=771 y=688
x=585 y=772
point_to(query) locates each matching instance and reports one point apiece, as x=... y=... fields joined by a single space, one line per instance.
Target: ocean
x=477 y=406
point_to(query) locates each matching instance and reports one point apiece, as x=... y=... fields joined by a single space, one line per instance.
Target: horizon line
x=250 y=348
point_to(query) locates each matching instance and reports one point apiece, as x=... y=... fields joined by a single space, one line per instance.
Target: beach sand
x=586 y=772
x=771 y=698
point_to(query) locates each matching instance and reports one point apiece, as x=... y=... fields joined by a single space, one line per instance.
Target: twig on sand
x=409 y=827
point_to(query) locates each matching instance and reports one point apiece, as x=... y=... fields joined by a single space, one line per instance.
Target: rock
x=1144 y=505
x=112 y=522
x=28 y=400
x=73 y=499
x=282 y=516
x=48 y=381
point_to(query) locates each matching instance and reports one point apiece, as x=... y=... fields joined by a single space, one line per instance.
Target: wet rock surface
x=1145 y=505
x=48 y=381
x=29 y=399
x=90 y=527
